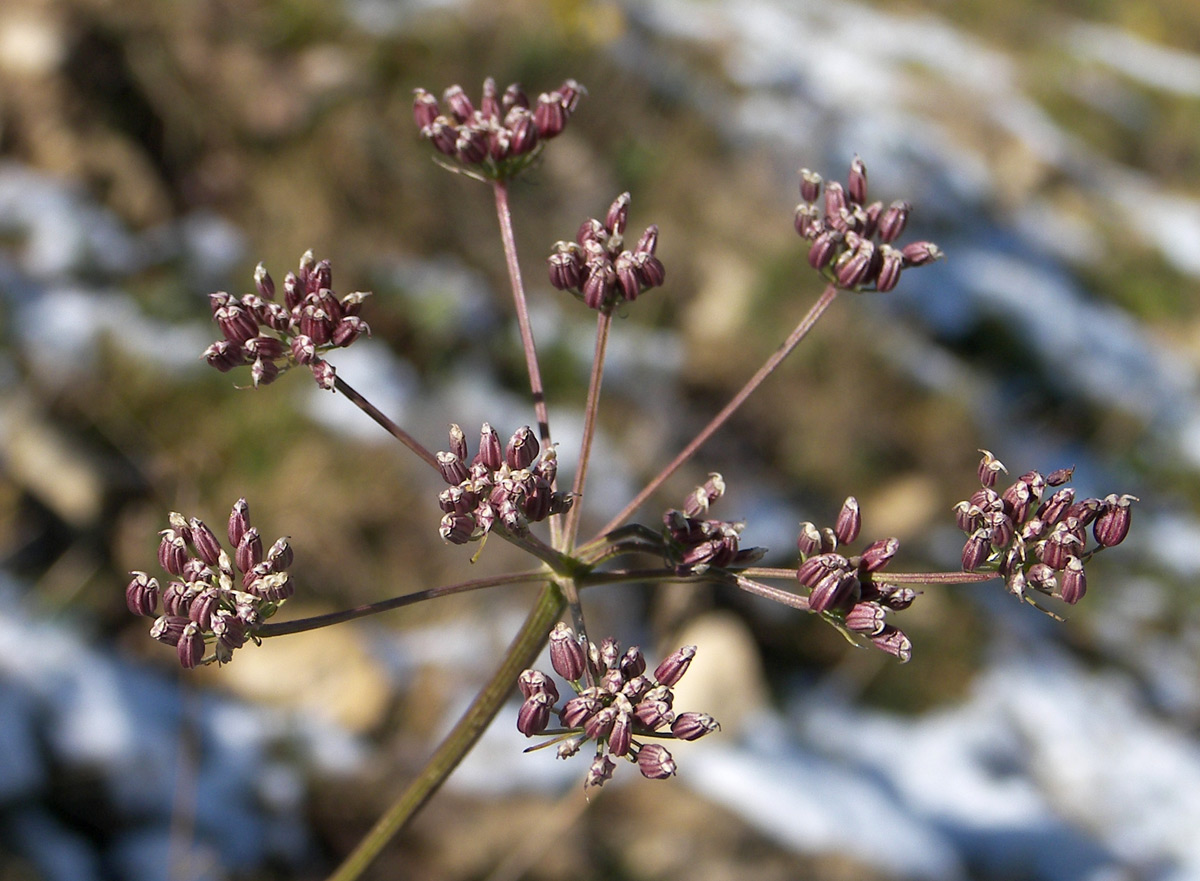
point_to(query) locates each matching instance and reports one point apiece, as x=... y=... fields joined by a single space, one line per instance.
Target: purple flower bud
x=815 y=568
x=172 y=552
x=893 y=221
x=599 y=284
x=655 y=762
x=471 y=145
x=524 y=132
x=177 y=598
x=236 y=323
x=323 y=372
x=534 y=714
x=141 y=596
x=1060 y=476
x=835 y=199
x=977 y=549
x=989 y=469
x=617 y=216
x=225 y=355
x=1017 y=499
x=878 y=554
x=348 y=330
x=491 y=453
x=849 y=521
x=896 y=598
x=566 y=267
x=1041 y=577
x=250 y=550
x=457 y=528
x=1112 y=524
x=566 y=654
x=835 y=592
x=453 y=470
x=1074 y=581
x=202 y=608
x=550 y=116
x=442 y=135
x=857 y=183
x=169 y=628
x=1061 y=545
x=866 y=618
x=190 y=647
x=693 y=726
x=458 y=102
x=627 y=276
x=823 y=249
x=578 y=709
x=894 y=642
x=672 y=668
x=280 y=555
x=810 y=185
x=1054 y=508
x=489 y=106
x=599 y=725
x=853 y=268
x=263 y=372
x=632 y=663
x=514 y=96
x=293 y=290
x=891 y=262
x=425 y=108
x=1000 y=528
x=532 y=682
x=920 y=253
x=650 y=271
x=522 y=448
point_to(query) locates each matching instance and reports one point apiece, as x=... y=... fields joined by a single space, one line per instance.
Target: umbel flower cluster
x=503 y=135
x=852 y=241
x=218 y=601
x=617 y=706
x=598 y=269
x=1035 y=533
x=272 y=336
x=851 y=591
x=508 y=485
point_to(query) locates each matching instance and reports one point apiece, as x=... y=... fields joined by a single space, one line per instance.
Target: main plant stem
x=793 y=340
x=521 y=653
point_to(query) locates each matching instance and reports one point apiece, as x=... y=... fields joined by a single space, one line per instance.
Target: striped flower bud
x=655 y=762
x=1112 y=524
x=566 y=654
x=673 y=667
x=141 y=596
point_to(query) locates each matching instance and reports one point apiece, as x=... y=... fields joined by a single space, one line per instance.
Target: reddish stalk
x=387 y=424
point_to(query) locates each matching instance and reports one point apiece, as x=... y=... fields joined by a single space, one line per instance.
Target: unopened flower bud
x=324 y=373
x=810 y=185
x=977 y=549
x=618 y=215
x=425 y=108
x=894 y=642
x=457 y=528
x=693 y=726
x=566 y=267
x=1074 y=581
x=921 y=253
x=249 y=550
x=550 y=116
x=891 y=262
x=866 y=618
x=141 y=596
x=190 y=647
x=673 y=667
x=1112 y=524
x=655 y=762
x=534 y=714
x=893 y=221
x=566 y=654
x=522 y=448
x=172 y=552
x=599 y=771
x=834 y=592
x=849 y=521
x=823 y=248
x=878 y=554
x=491 y=453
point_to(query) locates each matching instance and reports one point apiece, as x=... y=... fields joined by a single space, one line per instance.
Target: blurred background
x=153 y=152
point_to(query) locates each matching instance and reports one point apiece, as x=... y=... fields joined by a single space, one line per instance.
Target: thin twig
x=388 y=425
x=603 y=325
x=755 y=381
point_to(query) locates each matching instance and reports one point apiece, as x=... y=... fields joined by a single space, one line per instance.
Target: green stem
x=521 y=653
x=801 y=330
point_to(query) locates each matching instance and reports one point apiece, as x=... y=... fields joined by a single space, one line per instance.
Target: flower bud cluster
x=598 y=269
x=616 y=705
x=852 y=241
x=218 y=601
x=272 y=336
x=507 y=486
x=504 y=135
x=695 y=544
x=1035 y=533
x=849 y=590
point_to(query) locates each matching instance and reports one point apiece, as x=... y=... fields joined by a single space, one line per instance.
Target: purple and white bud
x=1074 y=581
x=823 y=248
x=349 y=329
x=522 y=448
x=457 y=528
x=849 y=521
x=649 y=269
x=807 y=221
x=921 y=253
x=280 y=555
x=324 y=373
x=491 y=453
x=566 y=654
x=693 y=726
x=425 y=108
x=617 y=216
x=550 y=115
x=453 y=469
x=599 y=284
x=230 y=633
x=894 y=597
x=489 y=106
x=442 y=135
x=835 y=592
x=632 y=663
x=169 y=628
x=891 y=262
x=190 y=647
x=177 y=598
x=673 y=667
x=878 y=554
x=655 y=762
x=263 y=372
x=989 y=469
x=893 y=641
x=893 y=221
x=1042 y=578
x=866 y=618
x=532 y=682
x=534 y=714
x=458 y=102
x=853 y=268
x=810 y=185
x=249 y=550
x=835 y=200
x=856 y=187
x=579 y=708
x=203 y=607
x=565 y=267
x=224 y=355
x=1112 y=524
x=599 y=771
x=141 y=596
x=172 y=552
x=236 y=323
x=1055 y=508
x=977 y=549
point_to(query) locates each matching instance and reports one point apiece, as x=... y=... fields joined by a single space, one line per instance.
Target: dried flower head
x=616 y=705
x=852 y=241
x=597 y=267
x=219 y=600
x=505 y=487
x=1035 y=533
x=500 y=138
x=272 y=336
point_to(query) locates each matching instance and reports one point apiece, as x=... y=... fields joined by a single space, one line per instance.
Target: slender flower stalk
x=893 y=577
x=799 y=333
x=387 y=424
x=316 y=622
x=603 y=325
